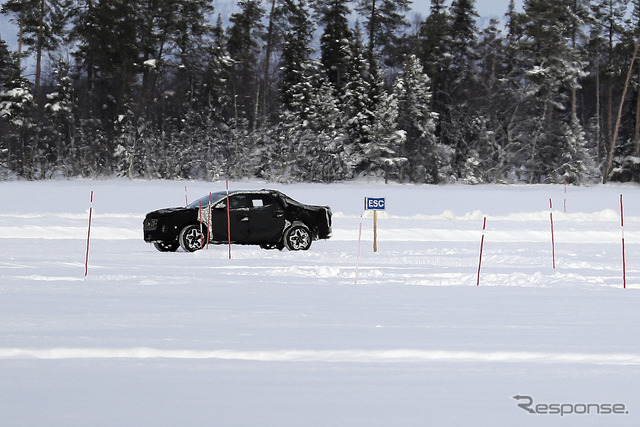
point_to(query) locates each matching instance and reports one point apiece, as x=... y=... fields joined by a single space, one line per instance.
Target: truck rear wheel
x=298 y=238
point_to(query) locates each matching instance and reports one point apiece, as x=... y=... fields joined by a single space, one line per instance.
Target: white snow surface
x=278 y=338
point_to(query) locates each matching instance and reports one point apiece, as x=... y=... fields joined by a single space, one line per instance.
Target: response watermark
x=527 y=404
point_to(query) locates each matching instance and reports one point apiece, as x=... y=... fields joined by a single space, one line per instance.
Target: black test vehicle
x=267 y=218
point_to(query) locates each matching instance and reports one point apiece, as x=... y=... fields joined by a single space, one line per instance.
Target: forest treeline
x=321 y=90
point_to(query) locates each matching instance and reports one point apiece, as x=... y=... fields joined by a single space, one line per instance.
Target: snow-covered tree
x=356 y=104
x=9 y=66
x=9 y=76
x=554 y=68
x=462 y=33
x=244 y=37
x=427 y=160
x=635 y=32
x=105 y=35
x=16 y=110
x=309 y=138
x=434 y=50
x=41 y=27
x=335 y=42
x=213 y=95
x=607 y=27
x=58 y=132
x=459 y=87
x=490 y=119
x=296 y=48
x=379 y=140
x=190 y=34
x=384 y=22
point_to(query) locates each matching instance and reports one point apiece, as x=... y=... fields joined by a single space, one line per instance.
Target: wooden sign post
x=375 y=231
x=375 y=204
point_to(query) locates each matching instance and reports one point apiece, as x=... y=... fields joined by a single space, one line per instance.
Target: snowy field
x=274 y=338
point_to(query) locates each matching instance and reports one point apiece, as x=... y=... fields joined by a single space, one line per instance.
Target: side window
x=262 y=200
x=267 y=200
x=239 y=201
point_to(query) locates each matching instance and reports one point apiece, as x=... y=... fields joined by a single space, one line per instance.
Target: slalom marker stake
x=228 y=218
x=484 y=226
x=624 y=263
x=553 y=243
x=86 y=258
x=209 y=221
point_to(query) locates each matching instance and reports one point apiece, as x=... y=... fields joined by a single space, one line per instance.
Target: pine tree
x=514 y=123
x=335 y=40
x=191 y=32
x=16 y=102
x=106 y=34
x=635 y=32
x=269 y=105
x=154 y=25
x=428 y=161
x=554 y=68
x=214 y=95
x=494 y=110
x=515 y=21
x=608 y=19
x=20 y=10
x=9 y=67
x=9 y=79
x=462 y=32
x=459 y=88
x=384 y=21
x=310 y=135
x=244 y=47
x=58 y=130
x=17 y=111
x=296 y=48
x=383 y=149
x=41 y=27
x=155 y=91
x=326 y=122
x=357 y=105
x=434 y=48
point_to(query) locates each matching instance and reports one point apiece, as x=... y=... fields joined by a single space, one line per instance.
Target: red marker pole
x=186 y=200
x=624 y=264
x=228 y=219
x=553 y=243
x=86 y=258
x=201 y=235
x=565 y=196
x=484 y=226
x=209 y=221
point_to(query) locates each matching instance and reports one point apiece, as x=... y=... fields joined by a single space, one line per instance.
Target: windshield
x=215 y=198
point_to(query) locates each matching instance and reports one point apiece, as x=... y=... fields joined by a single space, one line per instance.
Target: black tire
x=190 y=238
x=298 y=238
x=167 y=247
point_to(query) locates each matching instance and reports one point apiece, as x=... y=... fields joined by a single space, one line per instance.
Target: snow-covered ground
x=274 y=338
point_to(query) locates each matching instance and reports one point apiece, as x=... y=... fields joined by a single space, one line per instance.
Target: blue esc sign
x=374 y=203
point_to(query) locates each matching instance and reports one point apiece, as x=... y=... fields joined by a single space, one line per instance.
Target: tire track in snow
x=326 y=356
